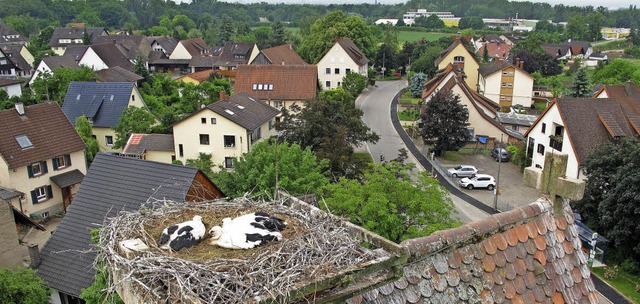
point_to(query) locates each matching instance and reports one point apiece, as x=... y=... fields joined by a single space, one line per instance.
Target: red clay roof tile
x=512 y=237
x=455 y=259
x=489 y=246
x=520 y=267
x=540 y=243
x=453 y=277
x=510 y=254
x=509 y=290
x=532 y=230
x=500 y=241
x=517 y=299
x=488 y=264
x=522 y=233
x=289 y=82
x=439 y=282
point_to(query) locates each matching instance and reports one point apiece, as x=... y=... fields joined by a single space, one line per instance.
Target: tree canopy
x=581 y=87
x=53 y=87
x=84 y=129
x=298 y=171
x=445 y=122
x=354 y=83
x=618 y=71
x=22 y=286
x=132 y=120
x=393 y=201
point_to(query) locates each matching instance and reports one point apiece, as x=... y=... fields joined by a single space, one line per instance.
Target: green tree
x=416 y=85
x=386 y=58
x=263 y=36
x=132 y=120
x=84 y=129
x=24 y=24
x=140 y=69
x=425 y=63
x=354 y=83
x=431 y=22
x=296 y=170
x=393 y=201
x=324 y=32
x=279 y=33
x=595 y=20
x=203 y=162
x=22 y=286
x=226 y=32
x=445 y=122
x=473 y=22
x=610 y=199
x=53 y=87
x=577 y=28
x=581 y=87
x=618 y=71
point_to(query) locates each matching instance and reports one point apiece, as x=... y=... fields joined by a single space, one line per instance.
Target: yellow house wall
x=100 y=134
x=188 y=79
x=160 y=156
x=470 y=65
x=476 y=121
x=59 y=50
x=28 y=57
x=254 y=53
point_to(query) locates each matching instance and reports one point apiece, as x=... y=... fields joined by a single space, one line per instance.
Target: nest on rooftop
x=314 y=245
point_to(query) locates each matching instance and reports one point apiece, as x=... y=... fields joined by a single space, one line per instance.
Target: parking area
x=512 y=192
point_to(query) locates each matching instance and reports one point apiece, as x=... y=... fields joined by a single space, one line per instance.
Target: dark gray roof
x=514 y=118
x=244 y=110
x=74 y=33
x=12 y=51
x=493 y=67
x=68 y=178
x=8 y=34
x=138 y=143
x=6 y=193
x=117 y=74
x=103 y=102
x=112 y=56
x=56 y=62
x=353 y=51
x=8 y=82
x=112 y=184
x=75 y=52
x=166 y=42
x=234 y=53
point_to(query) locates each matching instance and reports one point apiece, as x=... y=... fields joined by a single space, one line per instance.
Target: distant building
x=447 y=17
x=343 y=57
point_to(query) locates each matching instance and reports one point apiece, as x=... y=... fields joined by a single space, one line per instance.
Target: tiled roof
x=68 y=178
x=47 y=128
x=138 y=143
x=234 y=53
x=75 y=51
x=203 y=62
x=13 y=52
x=57 y=62
x=492 y=67
x=112 y=184
x=244 y=110
x=526 y=255
x=495 y=50
x=7 y=82
x=290 y=82
x=514 y=118
x=166 y=42
x=73 y=33
x=202 y=75
x=6 y=32
x=444 y=53
x=584 y=128
x=195 y=46
x=117 y=74
x=283 y=55
x=6 y=193
x=353 y=51
x=112 y=56
x=627 y=95
x=555 y=50
x=103 y=102
x=129 y=45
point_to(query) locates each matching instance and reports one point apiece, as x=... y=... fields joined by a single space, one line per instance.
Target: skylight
x=240 y=107
x=229 y=111
x=24 y=141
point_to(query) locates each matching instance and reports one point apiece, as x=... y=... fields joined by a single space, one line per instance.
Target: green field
x=415 y=36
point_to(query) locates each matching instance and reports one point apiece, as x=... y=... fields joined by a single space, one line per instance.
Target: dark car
x=500 y=154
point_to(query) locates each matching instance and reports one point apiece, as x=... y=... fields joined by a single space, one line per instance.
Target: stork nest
x=314 y=245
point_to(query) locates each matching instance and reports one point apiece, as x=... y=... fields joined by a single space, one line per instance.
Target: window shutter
x=30 y=171
x=67 y=159
x=54 y=161
x=43 y=164
x=34 y=197
x=49 y=192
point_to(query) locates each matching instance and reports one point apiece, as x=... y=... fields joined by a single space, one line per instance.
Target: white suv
x=478 y=181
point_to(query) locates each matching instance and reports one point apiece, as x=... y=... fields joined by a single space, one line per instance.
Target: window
x=327 y=84
x=62 y=161
x=505 y=73
x=270 y=87
x=213 y=120
x=504 y=84
x=255 y=86
x=204 y=139
x=24 y=141
x=277 y=104
x=544 y=127
x=180 y=150
x=260 y=87
x=36 y=169
x=458 y=59
x=256 y=134
x=327 y=71
x=347 y=70
x=509 y=85
x=228 y=162
x=271 y=124
x=501 y=97
x=203 y=120
x=339 y=83
x=133 y=97
x=41 y=194
x=229 y=141
x=541 y=149
x=109 y=140
x=336 y=71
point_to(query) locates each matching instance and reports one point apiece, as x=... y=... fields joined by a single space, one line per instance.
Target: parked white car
x=478 y=181
x=462 y=171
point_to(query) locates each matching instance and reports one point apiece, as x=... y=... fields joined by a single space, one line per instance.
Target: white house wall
x=476 y=121
x=336 y=58
x=13 y=90
x=42 y=68
x=92 y=60
x=522 y=89
x=180 y=52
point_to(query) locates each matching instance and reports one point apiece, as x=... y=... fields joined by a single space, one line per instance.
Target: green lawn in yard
x=408 y=100
x=457 y=156
x=624 y=283
x=415 y=36
x=408 y=115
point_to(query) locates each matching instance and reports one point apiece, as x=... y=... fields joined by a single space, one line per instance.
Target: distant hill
x=311 y=2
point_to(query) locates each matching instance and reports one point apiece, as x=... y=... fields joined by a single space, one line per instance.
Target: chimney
x=20 y=108
x=518 y=62
x=628 y=86
x=223 y=95
x=34 y=254
x=521 y=65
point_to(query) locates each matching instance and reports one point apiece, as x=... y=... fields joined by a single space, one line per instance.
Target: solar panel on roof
x=610 y=123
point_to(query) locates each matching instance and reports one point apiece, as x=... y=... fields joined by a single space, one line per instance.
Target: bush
x=612 y=272
x=630 y=266
x=632 y=52
x=22 y=286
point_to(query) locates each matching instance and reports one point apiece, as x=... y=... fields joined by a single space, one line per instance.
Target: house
x=50 y=64
x=155 y=147
x=516 y=121
x=542 y=92
x=627 y=95
x=9 y=35
x=278 y=85
x=65 y=36
x=112 y=184
x=199 y=77
x=495 y=50
x=282 y=55
x=580 y=49
x=102 y=103
x=103 y=56
x=505 y=83
x=42 y=156
x=8 y=68
x=163 y=44
x=576 y=126
x=13 y=251
x=557 y=51
x=343 y=57
x=225 y=129
x=189 y=48
x=13 y=87
x=483 y=126
x=132 y=46
x=117 y=74
x=21 y=58
x=234 y=54
x=458 y=55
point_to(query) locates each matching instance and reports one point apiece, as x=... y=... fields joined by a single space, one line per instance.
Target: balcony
x=555 y=142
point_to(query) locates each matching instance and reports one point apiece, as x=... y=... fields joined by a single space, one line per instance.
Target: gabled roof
x=282 y=55
x=627 y=95
x=74 y=33
x=353 y=51
x=290 y=82
x=101 y=102
x=112 y=184
x=206 y=74
x=499 y=65
x=234 y=53
x=448 y=50
x=244 y=110
x=112 y=56
x=495 y=49
x=56 y=62
x=203 y=62
x=526 y=255
x=138 y=143
x=117 y=74
x=195 y=46
x=166 y=42
x=4 y=82
x=7 y=34
x=45 y=125
x=12 y=51
x=129 y=45
x=556 y=50
x=75 y=51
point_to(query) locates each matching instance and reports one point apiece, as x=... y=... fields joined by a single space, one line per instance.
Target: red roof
x=289 y=82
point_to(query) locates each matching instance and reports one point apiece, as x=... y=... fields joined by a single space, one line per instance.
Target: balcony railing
x=555 y=142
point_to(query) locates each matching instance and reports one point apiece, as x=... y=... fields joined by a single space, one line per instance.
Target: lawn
x=408 y=115
x=624 y=283
x=457 y=156
x=406 y=99
x=415 y=36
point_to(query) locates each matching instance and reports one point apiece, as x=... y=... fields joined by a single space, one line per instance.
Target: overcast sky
x=612 y=4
